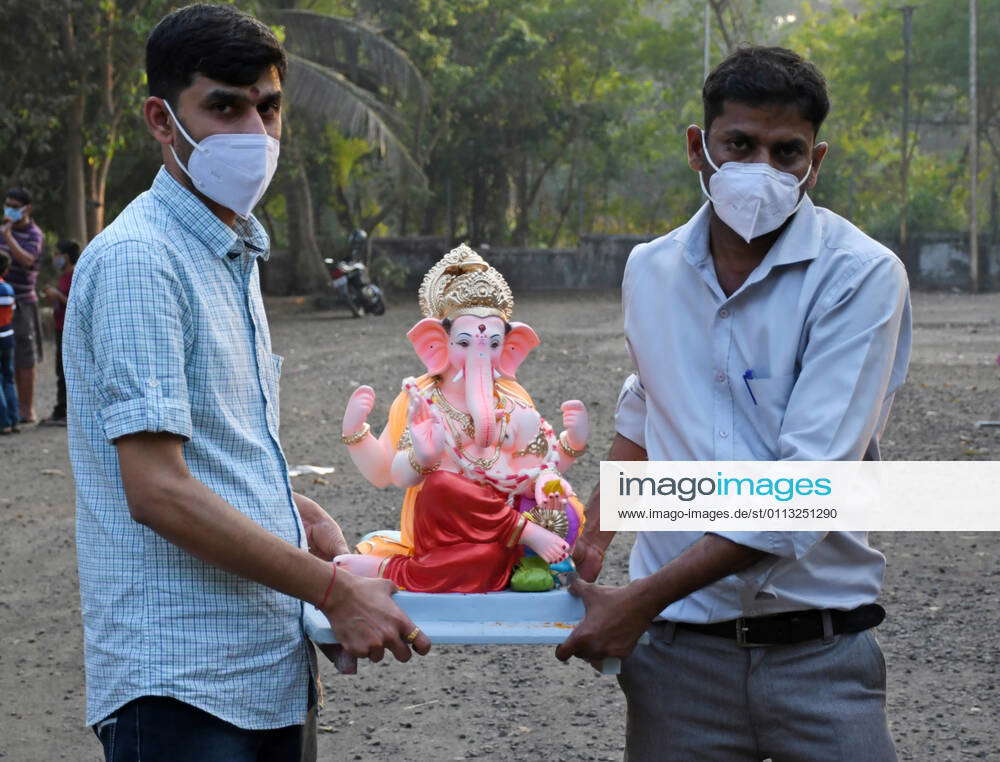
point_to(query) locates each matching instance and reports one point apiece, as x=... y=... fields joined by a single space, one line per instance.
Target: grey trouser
x=695 y=697
x=27 y=335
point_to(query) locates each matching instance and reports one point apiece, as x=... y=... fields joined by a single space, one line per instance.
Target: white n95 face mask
x=232 y=169
x=753 y=199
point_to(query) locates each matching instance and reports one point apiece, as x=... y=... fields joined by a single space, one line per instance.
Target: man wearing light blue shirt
x=765 y=328
x=195 y=555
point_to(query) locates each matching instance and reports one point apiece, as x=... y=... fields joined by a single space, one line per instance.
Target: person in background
x=65 y=261
x=22 y=240
x=8 y=393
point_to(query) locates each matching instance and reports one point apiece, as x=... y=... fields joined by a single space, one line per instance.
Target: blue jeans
x=160 y=729
x=9 y=413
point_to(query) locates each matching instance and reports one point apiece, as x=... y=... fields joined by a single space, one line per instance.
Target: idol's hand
x=358 y=408
x=426 y=433
x=576 y=422
x=613 y=624
x=544 y=480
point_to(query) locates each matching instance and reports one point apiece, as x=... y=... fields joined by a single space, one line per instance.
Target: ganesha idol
x=481 y=468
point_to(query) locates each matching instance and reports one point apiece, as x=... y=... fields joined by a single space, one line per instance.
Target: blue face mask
x=14 y=215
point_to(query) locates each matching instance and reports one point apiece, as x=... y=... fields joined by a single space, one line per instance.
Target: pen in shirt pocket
x=747 y=375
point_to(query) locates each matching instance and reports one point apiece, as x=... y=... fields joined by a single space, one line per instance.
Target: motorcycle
x=350 y=279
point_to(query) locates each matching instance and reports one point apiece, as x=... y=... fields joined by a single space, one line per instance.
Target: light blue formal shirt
x=824 y=324
x=166 y=332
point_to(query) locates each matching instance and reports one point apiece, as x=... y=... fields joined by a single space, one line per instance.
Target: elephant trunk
x=479 y=395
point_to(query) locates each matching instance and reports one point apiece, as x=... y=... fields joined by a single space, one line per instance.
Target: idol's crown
x=463 y=283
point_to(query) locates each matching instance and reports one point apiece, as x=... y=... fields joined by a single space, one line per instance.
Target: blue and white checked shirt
x=166 y=332
x=823 y=322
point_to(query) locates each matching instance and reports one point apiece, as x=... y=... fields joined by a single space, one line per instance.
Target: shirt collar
x=800 y=241
x=220 y=239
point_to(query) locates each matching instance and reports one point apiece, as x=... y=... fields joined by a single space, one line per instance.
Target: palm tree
x=343 y=71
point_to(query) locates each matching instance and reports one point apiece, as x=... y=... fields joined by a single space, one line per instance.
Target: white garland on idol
x=500 y=477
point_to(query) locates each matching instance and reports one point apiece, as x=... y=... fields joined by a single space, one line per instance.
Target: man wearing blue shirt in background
x=194 y=553
x=765 y=328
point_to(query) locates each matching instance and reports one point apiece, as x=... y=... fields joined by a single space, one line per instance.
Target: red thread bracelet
x=329 y=587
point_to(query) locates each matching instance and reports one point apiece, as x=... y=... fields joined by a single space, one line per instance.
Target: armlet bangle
x=357 y=436
x=415 y=465
x=567 y=450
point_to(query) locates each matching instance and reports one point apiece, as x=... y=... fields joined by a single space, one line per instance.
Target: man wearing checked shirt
x=765 y=328
x=194 y=553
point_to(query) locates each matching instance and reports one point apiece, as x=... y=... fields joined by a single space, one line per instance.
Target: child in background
x=9 y=415
x=67 y=252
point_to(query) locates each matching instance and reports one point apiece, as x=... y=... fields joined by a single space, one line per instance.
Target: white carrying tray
x=479 y=618
x=504 y=618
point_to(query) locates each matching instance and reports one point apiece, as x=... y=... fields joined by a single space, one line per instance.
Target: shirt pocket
x=766 y=416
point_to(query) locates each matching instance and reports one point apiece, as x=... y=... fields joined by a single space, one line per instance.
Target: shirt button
x=152 y=383
x=723 y=313
x=723 y=434
x=720 y=376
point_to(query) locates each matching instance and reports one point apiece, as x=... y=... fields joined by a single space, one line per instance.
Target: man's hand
x=588 y=558
x=617 y=616
x=323 y=534
x=6 y=229
x=367 y=622
x=615 y=620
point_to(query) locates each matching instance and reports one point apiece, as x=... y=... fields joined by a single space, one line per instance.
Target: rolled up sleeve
x=138 y=340
x=857 y=354
x=630 y=412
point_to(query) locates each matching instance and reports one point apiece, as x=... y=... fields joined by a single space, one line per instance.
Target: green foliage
x=861 y=55
x=521 y=121
x=388 y=273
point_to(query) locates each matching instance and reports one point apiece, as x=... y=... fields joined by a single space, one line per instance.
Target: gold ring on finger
x=413 y=635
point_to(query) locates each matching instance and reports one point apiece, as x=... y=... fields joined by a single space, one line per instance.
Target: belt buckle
x=742 y=627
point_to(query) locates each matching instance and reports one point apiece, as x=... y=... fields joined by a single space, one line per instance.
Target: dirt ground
x=942 y=591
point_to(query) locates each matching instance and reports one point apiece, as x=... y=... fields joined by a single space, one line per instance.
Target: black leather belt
x=791 y=627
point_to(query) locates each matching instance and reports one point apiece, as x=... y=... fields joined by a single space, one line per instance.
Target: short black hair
x=759 y=76
x=4 y=263
x=70 y=248
x=217 y=41
x=19 y=194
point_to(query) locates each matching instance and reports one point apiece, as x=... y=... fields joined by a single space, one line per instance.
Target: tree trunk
x=567 y=203
x=308 y=273
x=76 y=191
x=97 y=170
x=521 y=203
x=304 y=258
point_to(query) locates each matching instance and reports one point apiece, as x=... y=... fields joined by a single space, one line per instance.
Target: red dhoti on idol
x=465 y=539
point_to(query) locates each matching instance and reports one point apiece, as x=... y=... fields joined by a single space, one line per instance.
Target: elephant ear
x=430 y=341
x=518 y=345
